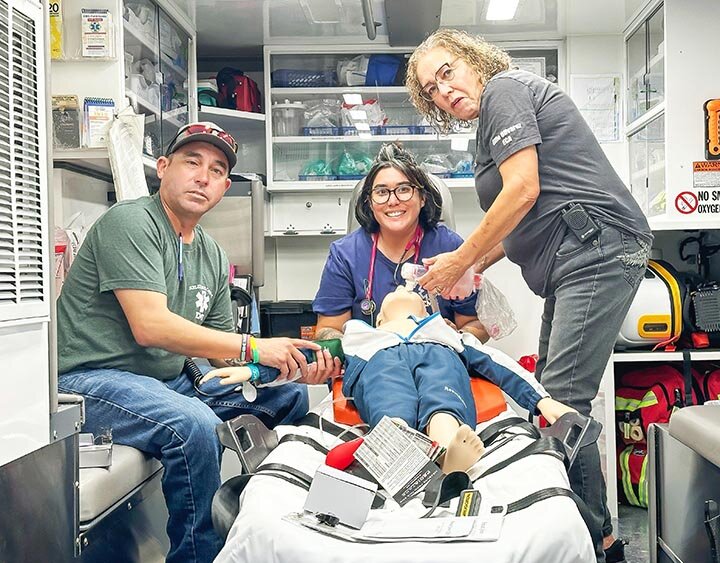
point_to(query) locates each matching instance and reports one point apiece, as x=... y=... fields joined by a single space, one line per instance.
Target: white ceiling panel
x=230 y=28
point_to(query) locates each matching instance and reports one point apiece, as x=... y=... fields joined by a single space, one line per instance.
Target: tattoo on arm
x=328 y=333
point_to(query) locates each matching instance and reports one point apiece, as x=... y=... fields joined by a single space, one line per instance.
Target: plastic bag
x=436 y=164
x=494 y=311
x=352 y=72
x=322 y=113
x=374 y=113
x=357 y=164
x=316 y=168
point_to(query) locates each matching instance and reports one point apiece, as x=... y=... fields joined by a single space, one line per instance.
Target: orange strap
x=489 y=402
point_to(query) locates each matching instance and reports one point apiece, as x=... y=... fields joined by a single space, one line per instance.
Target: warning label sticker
x=706 y=174
x=705 y=200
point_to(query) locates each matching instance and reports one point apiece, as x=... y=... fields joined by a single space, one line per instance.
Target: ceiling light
x=501 y=10
x=353 y=99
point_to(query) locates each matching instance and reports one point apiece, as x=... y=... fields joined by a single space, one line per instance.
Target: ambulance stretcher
x=548 y=529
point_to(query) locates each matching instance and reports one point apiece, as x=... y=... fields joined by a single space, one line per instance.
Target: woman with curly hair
x=399 y=212
x=555 y=206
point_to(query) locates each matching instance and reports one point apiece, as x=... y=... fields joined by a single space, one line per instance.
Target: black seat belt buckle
x=575 y=431
x=249 y=438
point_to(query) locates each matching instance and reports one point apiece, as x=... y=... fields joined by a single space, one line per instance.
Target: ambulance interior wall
x=298 y=261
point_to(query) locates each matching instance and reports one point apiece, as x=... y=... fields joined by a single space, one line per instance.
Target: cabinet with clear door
x=647 y=167
x=645 y=48
x=666 y=43
x=156 y=52
x=330 y=109
x=152 y=68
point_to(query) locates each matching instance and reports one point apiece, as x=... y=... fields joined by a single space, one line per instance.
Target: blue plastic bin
x=289 y=78
x=382 y=70
x=352 y=131
x=314 y=178
x=398 y=129
x=321 y=131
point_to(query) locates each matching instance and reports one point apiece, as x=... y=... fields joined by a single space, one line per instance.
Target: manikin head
x=400 y=304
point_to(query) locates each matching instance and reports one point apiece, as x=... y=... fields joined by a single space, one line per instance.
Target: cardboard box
x=343 y=495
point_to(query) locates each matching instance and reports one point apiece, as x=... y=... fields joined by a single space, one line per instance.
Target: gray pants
x=590 y=290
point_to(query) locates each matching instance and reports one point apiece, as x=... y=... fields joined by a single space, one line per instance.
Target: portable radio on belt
x=579 y=221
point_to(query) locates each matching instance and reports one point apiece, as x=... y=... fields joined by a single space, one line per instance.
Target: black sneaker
x=616 y=552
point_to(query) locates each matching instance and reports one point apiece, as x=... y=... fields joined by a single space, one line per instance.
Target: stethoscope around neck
x=367 y=305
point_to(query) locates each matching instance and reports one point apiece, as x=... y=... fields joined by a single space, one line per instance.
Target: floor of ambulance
x=633 y=526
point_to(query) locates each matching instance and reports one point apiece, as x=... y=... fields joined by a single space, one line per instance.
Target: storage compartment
x=309 y=213
x=288 y=118
x=294 y=319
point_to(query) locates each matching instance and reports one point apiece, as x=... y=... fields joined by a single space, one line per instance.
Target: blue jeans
x=592 y=286
x=171 y=422
x=413 y=381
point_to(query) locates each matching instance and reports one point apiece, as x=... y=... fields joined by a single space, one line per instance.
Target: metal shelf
x=371 y=138
x=650 y=356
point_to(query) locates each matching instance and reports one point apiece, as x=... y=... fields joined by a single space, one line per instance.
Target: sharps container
x=288 y=118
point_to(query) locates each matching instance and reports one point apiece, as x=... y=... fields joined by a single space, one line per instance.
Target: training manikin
x=414 y=368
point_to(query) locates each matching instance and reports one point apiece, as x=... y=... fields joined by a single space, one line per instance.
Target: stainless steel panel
x=131 y=531
x=681 y=484
x=237 y=224
x=39 y=510
x=403 y=30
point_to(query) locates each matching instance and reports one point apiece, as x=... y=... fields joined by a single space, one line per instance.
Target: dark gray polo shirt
x=519 y=109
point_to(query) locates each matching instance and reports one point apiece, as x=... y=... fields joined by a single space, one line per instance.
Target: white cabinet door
x=309 y=213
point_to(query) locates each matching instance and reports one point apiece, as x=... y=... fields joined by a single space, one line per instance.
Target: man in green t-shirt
x=149 y=288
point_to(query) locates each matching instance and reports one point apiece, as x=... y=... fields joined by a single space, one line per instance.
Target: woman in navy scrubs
x=398 y=210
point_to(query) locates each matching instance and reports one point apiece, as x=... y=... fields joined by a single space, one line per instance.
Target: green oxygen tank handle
x=332 y=345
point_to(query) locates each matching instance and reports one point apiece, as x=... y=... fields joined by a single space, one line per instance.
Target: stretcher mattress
x=549 y=530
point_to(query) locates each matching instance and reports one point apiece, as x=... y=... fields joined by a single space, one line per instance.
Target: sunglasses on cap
x=196 y=128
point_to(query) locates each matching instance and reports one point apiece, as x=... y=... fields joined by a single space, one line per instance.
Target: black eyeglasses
x=444 y=75
x=403 y=192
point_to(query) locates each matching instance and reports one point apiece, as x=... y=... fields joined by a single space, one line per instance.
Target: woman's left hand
x=444 y=271
x=552 y=409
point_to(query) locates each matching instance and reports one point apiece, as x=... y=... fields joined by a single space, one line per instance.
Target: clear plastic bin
x=288 y=118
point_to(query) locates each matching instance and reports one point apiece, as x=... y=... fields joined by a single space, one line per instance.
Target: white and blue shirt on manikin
x=426 y=372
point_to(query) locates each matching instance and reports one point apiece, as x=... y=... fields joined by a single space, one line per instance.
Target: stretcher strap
x=278 y=469
x=305 y=440
x=537 y=496
x=546 y=445
x=313 y=420
x=490 y=433
x=542 y=494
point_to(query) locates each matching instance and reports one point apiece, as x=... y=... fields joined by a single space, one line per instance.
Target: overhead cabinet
x=669 y=79
x=150 y=65
x=155 y=64
x=330 y=109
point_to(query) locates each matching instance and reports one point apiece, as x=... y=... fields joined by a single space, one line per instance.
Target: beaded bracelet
x=255 y=373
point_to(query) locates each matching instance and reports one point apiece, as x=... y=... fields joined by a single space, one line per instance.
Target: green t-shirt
x=133 y=246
